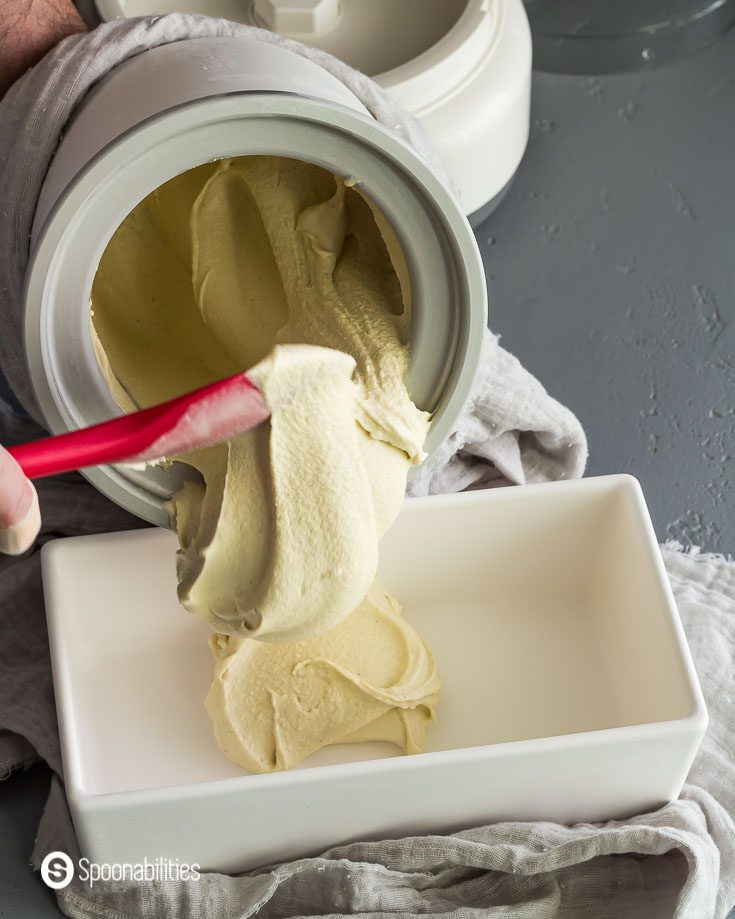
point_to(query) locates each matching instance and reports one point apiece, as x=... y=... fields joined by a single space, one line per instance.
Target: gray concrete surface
x=611 y=267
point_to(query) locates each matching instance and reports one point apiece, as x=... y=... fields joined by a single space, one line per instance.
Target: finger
x=20 y=516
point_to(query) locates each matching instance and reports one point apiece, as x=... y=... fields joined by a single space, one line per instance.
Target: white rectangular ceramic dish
x=569 y=691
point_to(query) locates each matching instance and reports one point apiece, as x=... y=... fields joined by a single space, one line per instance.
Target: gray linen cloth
x=679 y=861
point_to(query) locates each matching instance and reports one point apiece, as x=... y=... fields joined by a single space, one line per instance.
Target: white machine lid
x=373 y=37
x=461 y=67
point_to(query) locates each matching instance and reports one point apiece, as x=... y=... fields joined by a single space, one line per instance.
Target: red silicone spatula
x=199 y=419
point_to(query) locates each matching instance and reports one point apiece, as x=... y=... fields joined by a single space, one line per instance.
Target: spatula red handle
x=201 y=418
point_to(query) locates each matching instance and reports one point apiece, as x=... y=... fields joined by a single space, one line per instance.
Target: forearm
x=30 y=28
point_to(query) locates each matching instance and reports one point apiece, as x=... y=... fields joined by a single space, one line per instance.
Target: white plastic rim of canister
x=177 y=106
x=461 y=67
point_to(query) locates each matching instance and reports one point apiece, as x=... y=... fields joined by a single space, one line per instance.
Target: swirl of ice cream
x=370 y=678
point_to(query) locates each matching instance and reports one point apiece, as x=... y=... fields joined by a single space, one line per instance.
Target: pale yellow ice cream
x=370 y=678
x=279 y=534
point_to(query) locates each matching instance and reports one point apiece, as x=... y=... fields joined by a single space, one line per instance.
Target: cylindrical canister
x=177 y=106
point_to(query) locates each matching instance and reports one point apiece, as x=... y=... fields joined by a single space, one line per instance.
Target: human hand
x=20 y=516
x=30 y=28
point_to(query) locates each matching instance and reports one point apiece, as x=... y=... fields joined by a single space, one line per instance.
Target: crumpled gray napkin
x=676 y=862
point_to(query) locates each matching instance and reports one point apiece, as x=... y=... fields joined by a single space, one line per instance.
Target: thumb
x=20 y=516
